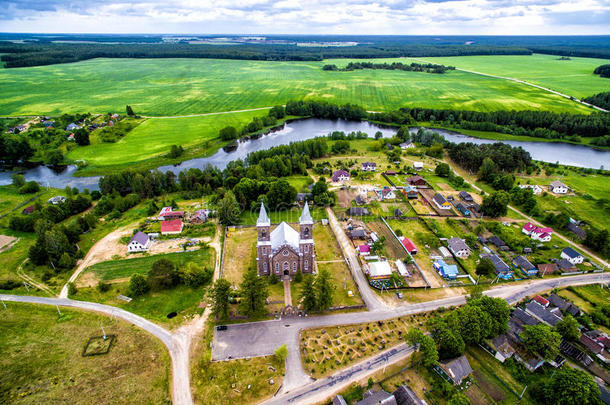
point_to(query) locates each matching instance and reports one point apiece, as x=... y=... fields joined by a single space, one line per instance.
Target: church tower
x=263 y=244
x=306 y=246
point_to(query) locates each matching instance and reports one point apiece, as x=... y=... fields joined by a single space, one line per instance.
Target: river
x=300 y=130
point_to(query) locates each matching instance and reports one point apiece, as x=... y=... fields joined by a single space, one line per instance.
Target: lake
x=300 y=130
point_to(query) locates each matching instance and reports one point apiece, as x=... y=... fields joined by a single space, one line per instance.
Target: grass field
x=41 y=359
x=188 y=86
x=573 y=77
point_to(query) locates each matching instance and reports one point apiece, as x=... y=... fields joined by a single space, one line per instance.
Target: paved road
x=371 y=300
x=322 y=389
x=176 y=344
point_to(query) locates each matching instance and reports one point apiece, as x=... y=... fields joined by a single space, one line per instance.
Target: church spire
x=263 y=218
x=305 y=215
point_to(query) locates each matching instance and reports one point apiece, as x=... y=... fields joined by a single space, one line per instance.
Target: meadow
x=42 y=363
x=573 y=77
x=161 y=87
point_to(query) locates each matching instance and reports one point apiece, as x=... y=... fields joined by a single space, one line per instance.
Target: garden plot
x=326 y=350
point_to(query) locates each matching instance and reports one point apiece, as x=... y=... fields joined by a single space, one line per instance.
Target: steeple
x=263 y=218
x=306 y=216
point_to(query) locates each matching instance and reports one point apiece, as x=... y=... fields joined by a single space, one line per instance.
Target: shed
x=380 y=270
x=457 y=369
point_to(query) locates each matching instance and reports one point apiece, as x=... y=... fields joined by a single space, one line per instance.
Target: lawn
x=239 y=254
x=10 y=198
x=42 y=363
x=161 y=87
x=327 y=350
x=574 y=77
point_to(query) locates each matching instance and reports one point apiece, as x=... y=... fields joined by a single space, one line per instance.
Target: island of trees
x=413 y=67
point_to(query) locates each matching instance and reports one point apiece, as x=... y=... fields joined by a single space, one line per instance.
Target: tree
x=485 y=267
x=459 y=399
x=568 y=386
x=488 y=170
x=129 y=111
x=442 y=170
x=280 y=354
x=72 y=289
x=450 y=344
x=29 y=187
x=194 y=275
x=281 y=195
x=65 y=261
x=568 y=328
x=253 y=292
x=81 y=137
x=425 y=345
x=18 y=180
x=324 y=290
x=474 y=323
x=542 y=340
x=228 y=133
x=498 y=311
x=496 y=204
x=228 y=209
x=138 y=285
x=340 y=147
x=308 y=294
x=163 y=274
x=505 y=182
x=53 y=157
x=298 y=277
x=219 y=293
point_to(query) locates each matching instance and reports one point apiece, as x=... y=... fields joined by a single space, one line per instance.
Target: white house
x=558 y=187
x=139 y=243
x=542 y=234
x=536 y=189
x=369 y=167
x=387 y=194
x=58 y=199
x=572 y=255
x=340 y=176
x=418 y=165
x=407 y=145
x=459 y=247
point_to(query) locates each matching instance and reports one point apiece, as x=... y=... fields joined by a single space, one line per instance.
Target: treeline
x=540 y=124
x=506 y=158
x=319 y=109
x=603 y=70
x=230 y=133
x=49 y=53
x=600 y=99
x=413 y=67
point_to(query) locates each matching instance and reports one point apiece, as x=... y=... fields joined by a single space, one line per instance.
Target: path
x=324 y=388
x=527 y=84
x=287 y=295
x=371 y=300
x=210 y=113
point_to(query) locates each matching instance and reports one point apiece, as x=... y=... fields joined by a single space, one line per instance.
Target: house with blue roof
x=448 y=271
x=572 y=256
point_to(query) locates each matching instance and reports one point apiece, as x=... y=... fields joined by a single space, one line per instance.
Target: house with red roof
x=542 y=301
x=171 y=227
x=542 y=234
x=28 y=210
x=364 y=250
x=528 y=228
x=167 y=214
x=409 y=245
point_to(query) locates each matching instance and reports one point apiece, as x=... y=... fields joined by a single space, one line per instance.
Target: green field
x=186 y=86
x=573 y=77
x=42 y=363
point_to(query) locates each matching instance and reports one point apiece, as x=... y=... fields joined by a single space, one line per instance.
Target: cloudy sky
x=517 y=17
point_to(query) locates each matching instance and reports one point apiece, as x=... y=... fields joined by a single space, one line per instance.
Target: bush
x=29 y=188
x=9 y=284
x=195 y=276
x=163 y=275
x=138 y=285
x=103 y=287
x=72 y=289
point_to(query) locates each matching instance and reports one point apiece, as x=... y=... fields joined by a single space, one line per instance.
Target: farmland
x=161 y=87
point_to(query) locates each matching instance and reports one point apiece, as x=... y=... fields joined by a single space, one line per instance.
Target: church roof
x=306 y=216
x=284 y=234
x=263 y=218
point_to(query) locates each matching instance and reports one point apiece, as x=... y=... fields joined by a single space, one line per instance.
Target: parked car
x=221 y=327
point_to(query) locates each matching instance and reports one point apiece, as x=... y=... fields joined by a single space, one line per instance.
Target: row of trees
x=413 y=67
x=600 y=99
x=165 y=275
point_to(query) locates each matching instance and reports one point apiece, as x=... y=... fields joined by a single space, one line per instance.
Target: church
x=284 y=251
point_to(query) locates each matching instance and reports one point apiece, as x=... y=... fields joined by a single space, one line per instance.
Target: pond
x=300 y=130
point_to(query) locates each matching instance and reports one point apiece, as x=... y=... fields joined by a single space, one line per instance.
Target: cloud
x=308 y=16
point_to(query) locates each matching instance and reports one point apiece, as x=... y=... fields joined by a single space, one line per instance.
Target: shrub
x=29 y=188
x=72 y=289
x=103 y=287
x=163 y=275
x=9 y=284
x=138 y=285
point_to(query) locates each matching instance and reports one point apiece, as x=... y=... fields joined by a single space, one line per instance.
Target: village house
x=58 y=199
x=364 y=250
x=359 y=200
x=411 y=192
x=387 y=194
x=71 y=127
x=171 y=227
x=535 y=188
x=503 y=347
x=496 y=241
x=558 y=187
x=418 y=165
x=199 y=217
x=379 y=270
x=564 y=306
x=502 y=269
x=140 y=242
x=284 y=249
x=167 y=214
x=28 y=210
x=357 y=233
x=542 y=301
x=357 y=211
x=572 y=255
x=547 y=268
x=409 y=245
x=577 y=230
x=465 y=196
x=541 y=313
x=458 y=247
x=521 y=263
x=542 y=234
x=457 y=369
x=402 y=396
x=528 y=228
x=448 y=271
x=591 y=344
x=369 y=167
x=441 y=202
x=462 y=208
x=565 y=266
x=407 y=145
x=340 y=176
x=417 y=181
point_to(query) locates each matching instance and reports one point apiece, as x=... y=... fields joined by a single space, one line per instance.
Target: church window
x=286 y=265
x=285 y=252
x=264 y=250
x=277 y=267
x=306 y=264
x=306 y=248
x=265 y=267
x=264 y=234
x=306 y=233
x=294 y=266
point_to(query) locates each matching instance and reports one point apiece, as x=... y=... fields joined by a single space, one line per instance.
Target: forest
x=603 y=70
x=413 y=67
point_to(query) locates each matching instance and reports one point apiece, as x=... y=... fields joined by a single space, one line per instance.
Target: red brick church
x=284 y=251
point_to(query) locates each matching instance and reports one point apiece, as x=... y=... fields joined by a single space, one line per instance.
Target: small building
x=535 y=188
x=526 y=267
x=448 y=271
x=441 y=202
x=390 y=172
x=369 y=167
x=379 y=270
x=340 y=176
x=496 y=241
x=541 y=300
x=357 y=211
x=444 y=251
x=387 y=194
x=572 y=255
x=557 y=187
x=411 y=192
x=577 y=230
x=71 y=127
x=359 y=200
x=503 y=347
x=457 y=369
x=541 y=313
x=502 y=269
x=418 y=165
x=303 y=197
x=48 y=123
x=542 y=234
x=28 y=210
x=547 y=268
x=358 y=233
x=528 y=228
x=417 y=181
x=398 y=213
x=466 y=196
x=402 y=268
x=140 y=242
x=565 y=266
x=591 y=344
x=409 y=245
x=458 y=247
x=167 y=214
x=199 y=217
x=564 y=306
x=364 y=250
x=171 y=227
x=58 y=199
x=463 y=209
x=407 y=145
